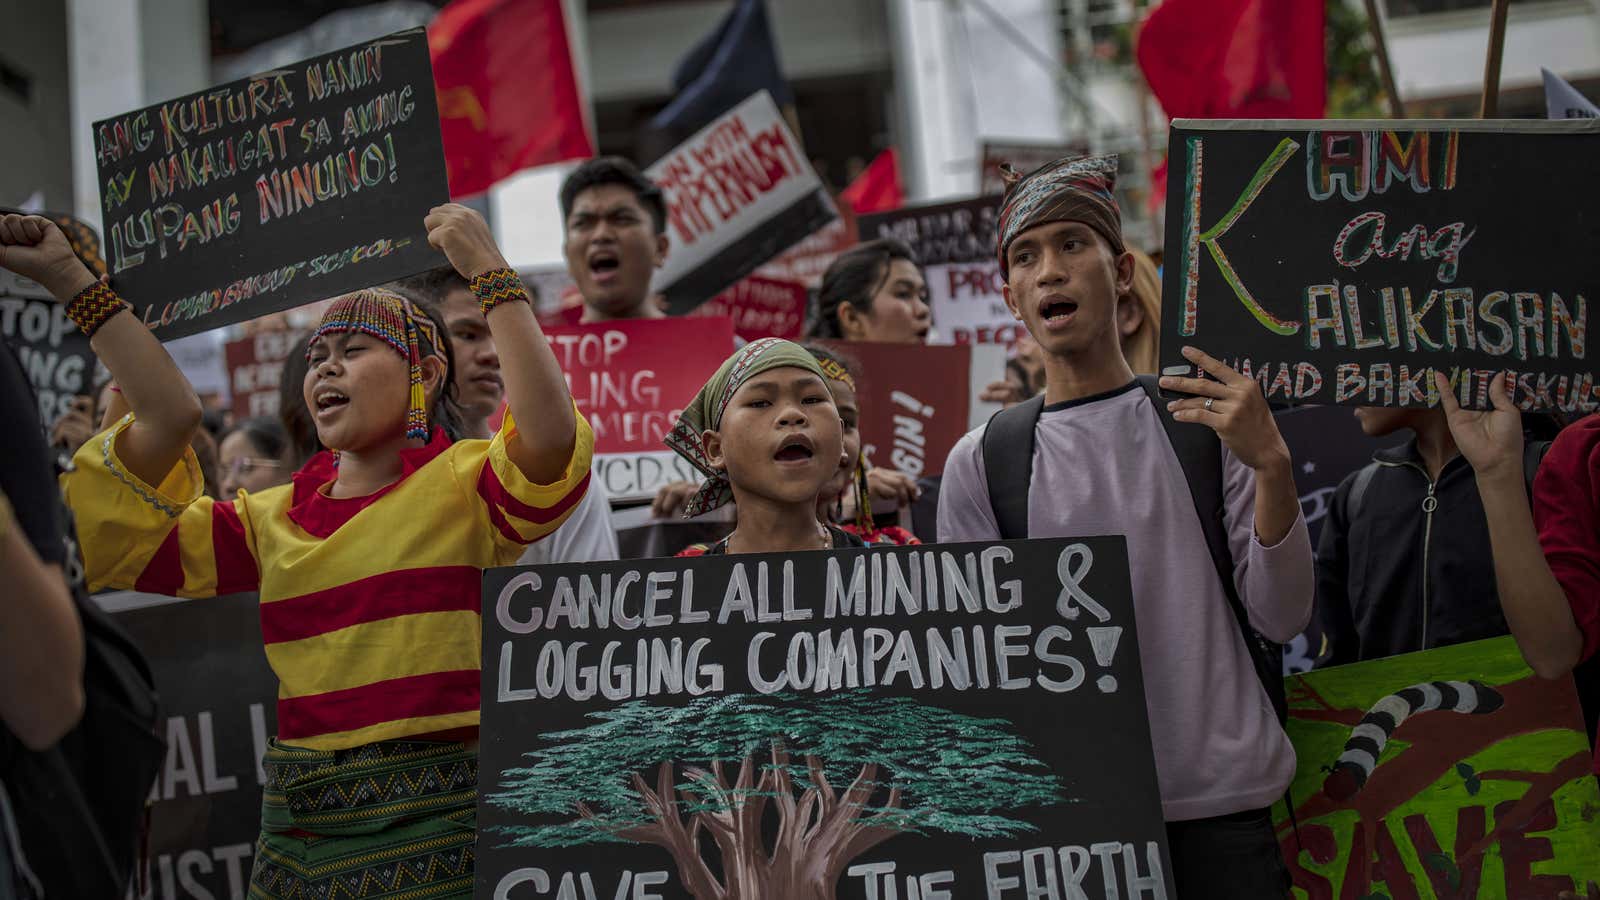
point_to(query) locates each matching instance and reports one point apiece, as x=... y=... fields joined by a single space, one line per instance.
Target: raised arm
x=1535 y=605
x=165 y=407
x=536 y=391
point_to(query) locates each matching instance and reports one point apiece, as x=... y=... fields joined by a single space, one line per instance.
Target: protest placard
x=1341 y=262
x=272 y=191
x=760 y=307
x=53 y=352
x=631 y=379
x=55 y=355
x=1563 y=101
x=205 y=806
x=914 y=401
x=1024 y=156
x=1454 y=772
x=807 y=261
x=941 y=722
x=955 y=245
x=254 y=366
x=738 y=193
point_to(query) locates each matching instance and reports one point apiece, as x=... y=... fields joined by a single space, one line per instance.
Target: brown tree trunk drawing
x=1437 y=740
x=820 y=827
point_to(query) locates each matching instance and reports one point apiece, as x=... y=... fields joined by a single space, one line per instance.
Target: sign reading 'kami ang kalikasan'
x=1343 y=262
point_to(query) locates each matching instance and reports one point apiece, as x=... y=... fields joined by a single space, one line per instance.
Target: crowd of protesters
x=363 y=514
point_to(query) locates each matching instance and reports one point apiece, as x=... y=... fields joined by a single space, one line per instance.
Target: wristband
x=498 y=286
x=93 y=307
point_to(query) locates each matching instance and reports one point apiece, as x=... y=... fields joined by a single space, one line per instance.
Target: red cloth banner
x=508 y=97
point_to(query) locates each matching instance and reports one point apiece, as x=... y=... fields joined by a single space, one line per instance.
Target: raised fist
x=464 y=238
x=35 y=248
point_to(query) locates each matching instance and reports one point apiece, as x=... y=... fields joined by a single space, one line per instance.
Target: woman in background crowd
x=252 y=456
x=874 y=292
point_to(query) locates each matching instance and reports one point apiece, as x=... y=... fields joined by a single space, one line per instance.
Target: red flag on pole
x=877 y=188
x=508 y=94
x=1235 y=59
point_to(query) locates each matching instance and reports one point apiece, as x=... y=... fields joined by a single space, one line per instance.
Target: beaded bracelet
x=93 y=307
x=498 y=286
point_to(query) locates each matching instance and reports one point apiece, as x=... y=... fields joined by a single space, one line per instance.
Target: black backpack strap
x=1008 y=464
x=1358 y=491
x=1199 y=452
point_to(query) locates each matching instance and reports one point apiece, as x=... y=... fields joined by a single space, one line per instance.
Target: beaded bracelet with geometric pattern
x=498 y=286
x=93 y=307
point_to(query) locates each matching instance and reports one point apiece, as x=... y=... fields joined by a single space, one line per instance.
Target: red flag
x=508 y=97
x=1235 y=59
x=877 y=188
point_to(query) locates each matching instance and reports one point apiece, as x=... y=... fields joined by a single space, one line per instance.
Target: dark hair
x=429 y=288
x=215 y=422
x=446 y=412
x=614 y=170
x=267 y=435
x=292 y=412
x=855 y=277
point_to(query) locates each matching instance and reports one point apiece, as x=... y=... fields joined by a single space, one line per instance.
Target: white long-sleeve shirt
x=1103 y=465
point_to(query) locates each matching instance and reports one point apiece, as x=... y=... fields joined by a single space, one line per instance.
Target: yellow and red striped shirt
x=369 y=605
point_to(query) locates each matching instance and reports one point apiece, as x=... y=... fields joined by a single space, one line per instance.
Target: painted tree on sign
x=841 y=774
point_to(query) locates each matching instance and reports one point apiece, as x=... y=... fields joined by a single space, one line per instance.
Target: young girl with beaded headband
x=766 y=434
x=367 y=565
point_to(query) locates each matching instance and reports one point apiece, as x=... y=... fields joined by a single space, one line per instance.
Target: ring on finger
x=1209 y=402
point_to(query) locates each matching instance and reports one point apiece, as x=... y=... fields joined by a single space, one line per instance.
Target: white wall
x=1443 y=55
x=126 y=54
x=961 y=78
x=35 y=154
x=632 y=52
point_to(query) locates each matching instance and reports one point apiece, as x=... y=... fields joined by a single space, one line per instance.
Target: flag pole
x=1491 y=67
x=1397 y=107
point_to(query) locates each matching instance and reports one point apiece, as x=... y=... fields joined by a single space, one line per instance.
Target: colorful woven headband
x=1079 y=190
x=397 y=322
x=835 y=371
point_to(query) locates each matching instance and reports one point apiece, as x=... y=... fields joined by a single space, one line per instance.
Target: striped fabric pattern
x=369 y=605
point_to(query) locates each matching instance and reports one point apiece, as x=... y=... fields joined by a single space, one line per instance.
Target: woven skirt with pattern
x=394 y=820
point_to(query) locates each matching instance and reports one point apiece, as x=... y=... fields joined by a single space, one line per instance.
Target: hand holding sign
x=1232 y=406
x=1491 y=441
x=462 y=235
x=35 y=248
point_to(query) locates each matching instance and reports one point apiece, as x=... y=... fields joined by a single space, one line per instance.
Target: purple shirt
x=1103 y=465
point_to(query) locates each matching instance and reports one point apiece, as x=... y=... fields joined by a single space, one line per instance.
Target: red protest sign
x=914 y=400
x=737 y=193
x=631 y=379
x=760 y=307
x=254 y=365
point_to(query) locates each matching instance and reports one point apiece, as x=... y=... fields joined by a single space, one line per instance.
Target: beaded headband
x=835 y=371
x=397 y=322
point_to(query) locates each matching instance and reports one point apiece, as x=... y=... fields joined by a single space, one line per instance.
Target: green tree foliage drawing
x=841 y=774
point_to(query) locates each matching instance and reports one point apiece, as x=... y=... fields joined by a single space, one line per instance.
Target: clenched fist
x=464 y=238
x=35 y=248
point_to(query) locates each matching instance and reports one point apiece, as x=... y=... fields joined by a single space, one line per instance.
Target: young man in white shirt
x=1103 y=463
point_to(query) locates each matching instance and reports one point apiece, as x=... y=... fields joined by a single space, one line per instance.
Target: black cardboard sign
x=205 y=805
x=960 y=720
x=276 y=190
x=1341 y=262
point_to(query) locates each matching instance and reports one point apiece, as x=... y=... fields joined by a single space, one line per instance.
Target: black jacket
x=1393 y=577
